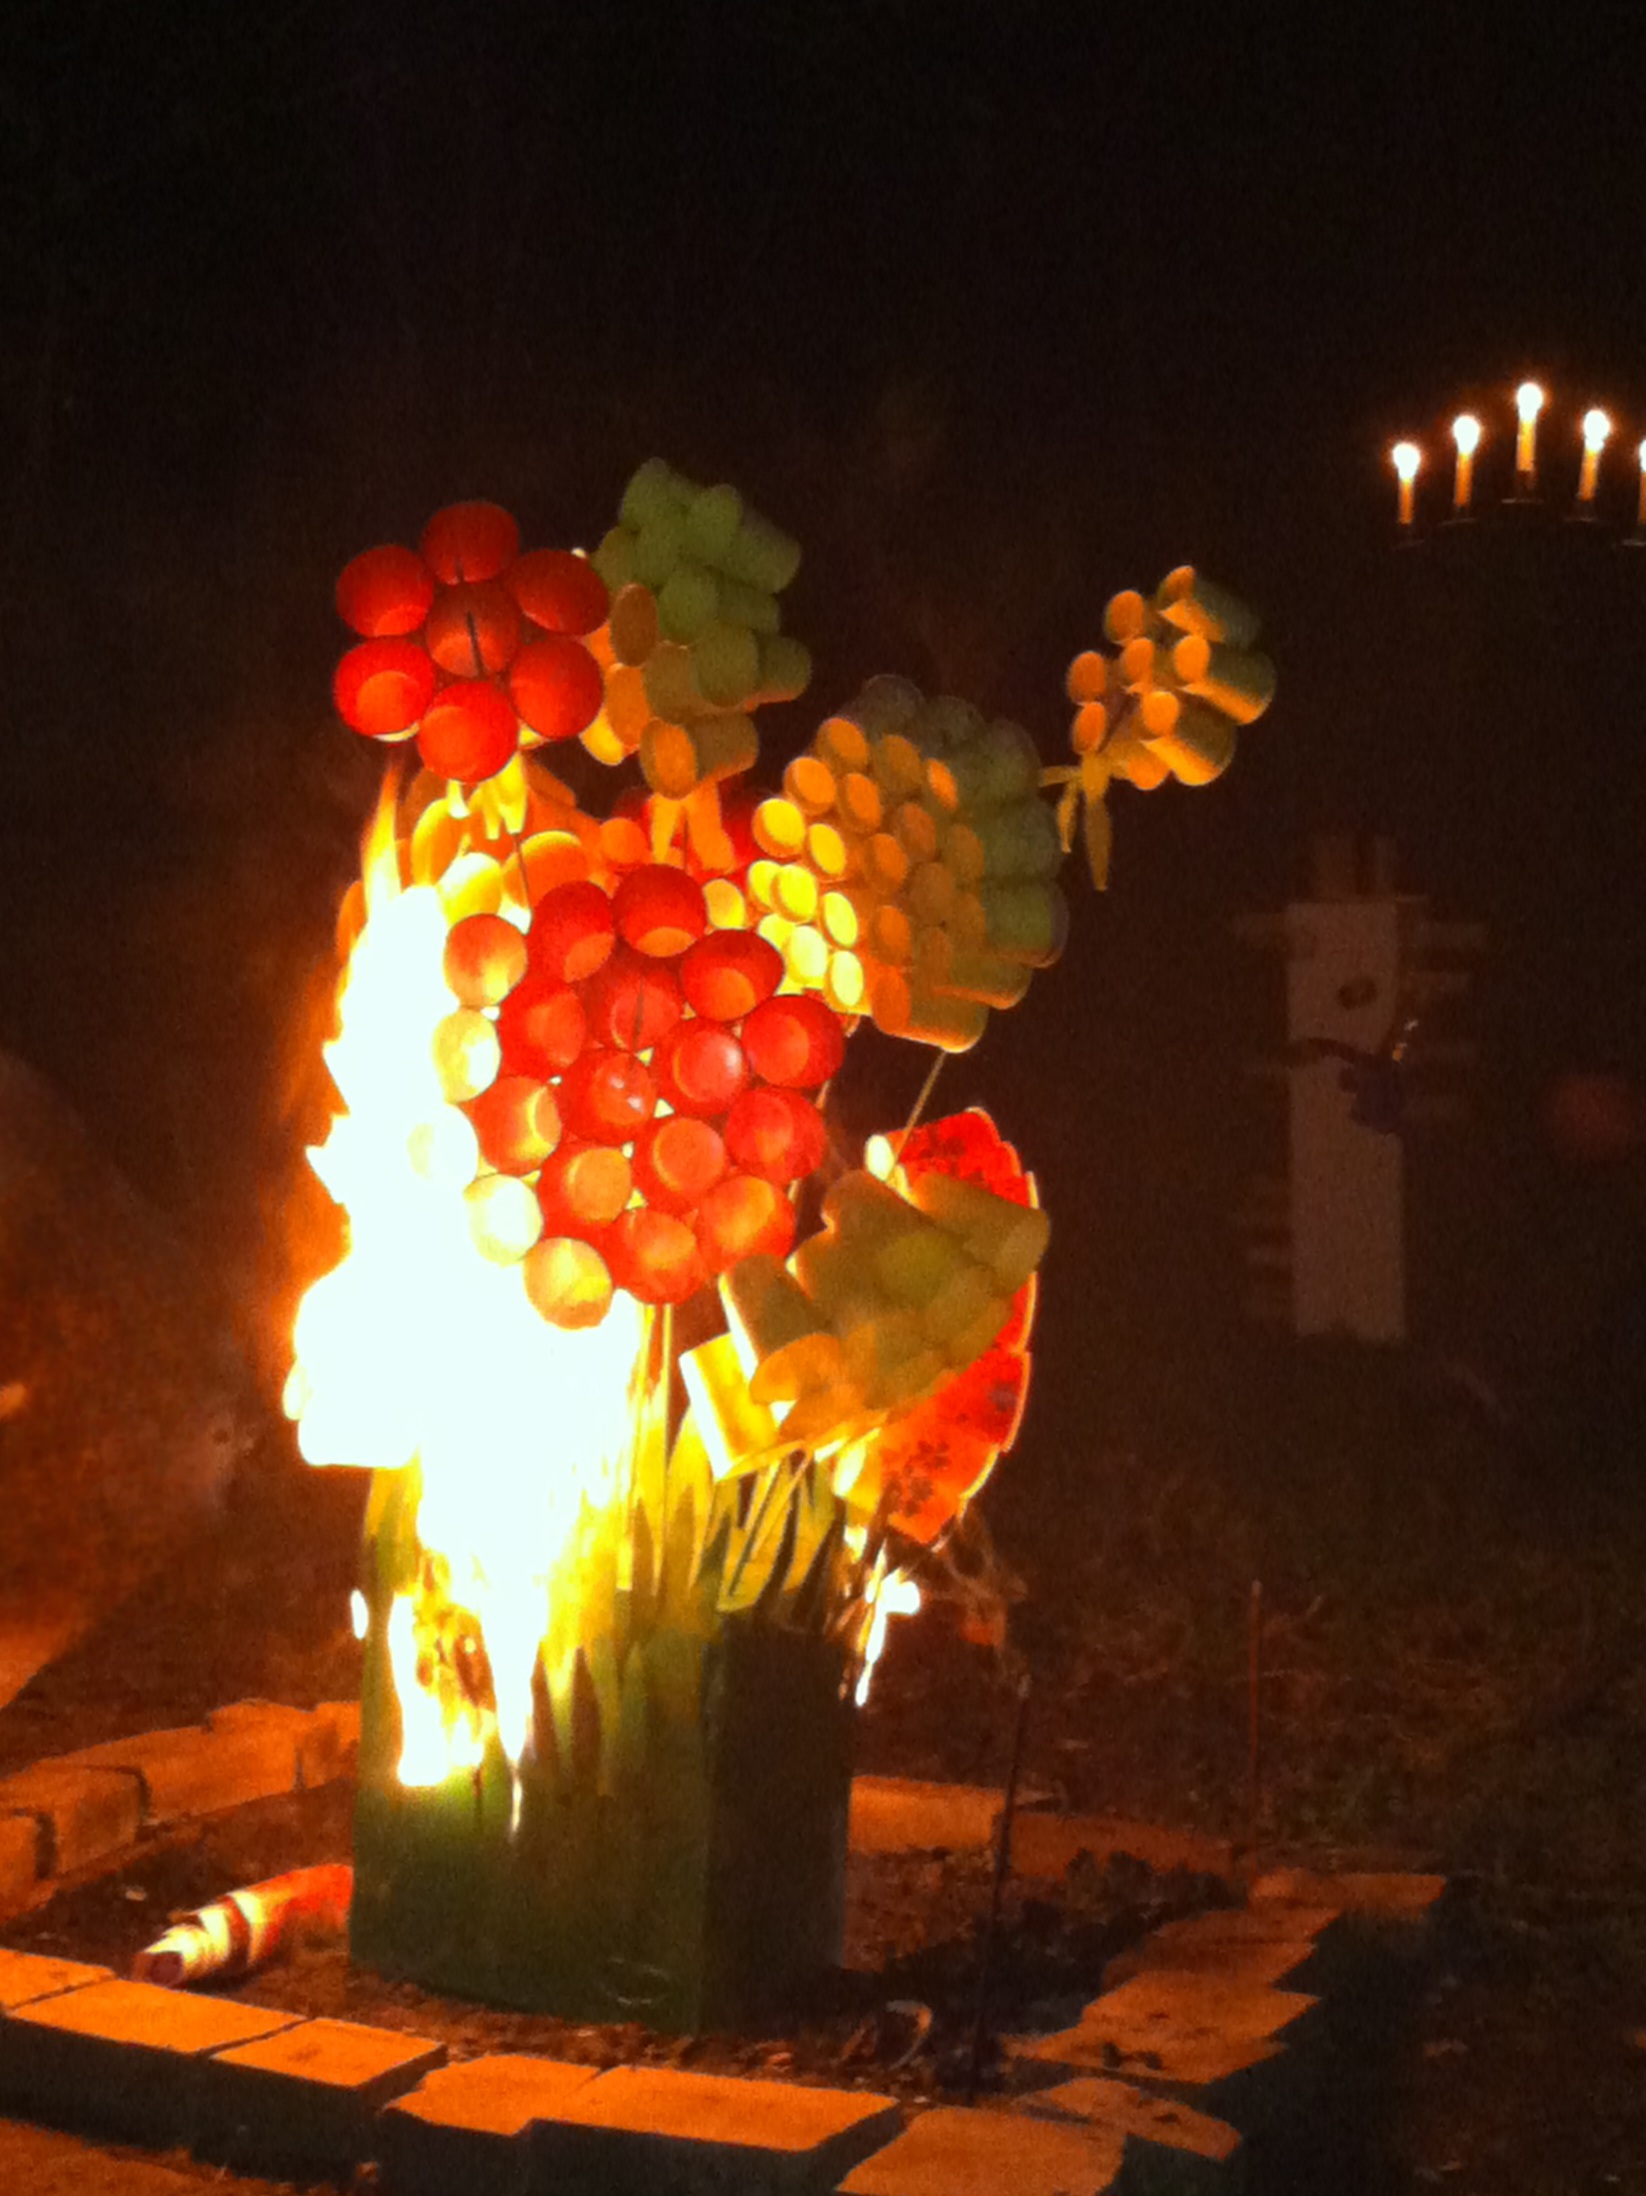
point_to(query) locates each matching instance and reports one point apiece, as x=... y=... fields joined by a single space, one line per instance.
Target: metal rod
x=1002 y=1863
x=921 y=1103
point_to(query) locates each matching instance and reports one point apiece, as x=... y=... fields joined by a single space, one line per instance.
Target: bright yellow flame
x=887 y=1594
x=1529 y=401
x=423 y=1345
x=1597 y=426
x=1406 y=457
x=359 y=1614
x=1466 y=433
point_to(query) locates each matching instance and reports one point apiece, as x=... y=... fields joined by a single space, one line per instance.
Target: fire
x=421 y=1352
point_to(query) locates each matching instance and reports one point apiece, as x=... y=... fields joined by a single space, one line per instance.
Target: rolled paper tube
x=635 y=629
x=473 y=629
x=485 y=958
x=659 y=910
x=728 y=909
x=1158 y=712
x=986 y=977
x=830 y=852
x=777 y=930
x=863 y=1209
x=542 y=1026
x=1201 y=747
x=785 y=667
x=583 y=1188
x=676 y=758
x=967 y=923
x=729 y=973
x=782 y=1344
x=1198 y=605
x=504 y=1217
x=1026 y=922
x=613 y=559
x=709 y=844
x=654 y=487
x=916 y=1265
x=607 y=1097
x=1130 y=758
x=858 y=802
x=795 y=892
x=736 y=1429
x=897 y=767
x=1012 y=762
x=794 y=1042
x=890 y=937
x=932 y=958
x=1239 y=683
x=712 y=522
x=937 y=1018
x=658 y=545
x=726 y=664
x=760 y=555
x=762 y=881
x=572 y=934
x=602 y=740
x=961 y=853
x=844 y=986
x=671 y=684
x=472 y=885
x=1091 y=728
x=383 y=687
x=654 y=1255
x=968 y=1292
x=568 y=1282
x=839 y=1282
x=466 y=1053
x=516 y=1123
x=888 y=1365
x=628 y=704
x=824 y=1416
x=623 y=842
x=1125 y=617
x=889 y=1000
x=741 y=1217
x=1021 y=842
x=779 y=829
x=942 y=787
x=677 y=1161
x=844 y=916
x=385 y=592
x=469 y=541
x=1088 y=677
x=885 y=862
x=634 y=1001
x=1140 y=663
x=947 y=723
x=556 y=685
x=436 y=837
x=686 y=601
x=1010 y=1239
x=810 y=784
x=886 y=704
x=559 y=590
x=916 y=831
x=701 y=1069
x=777 y=1133
x=843 y=745
x=806 y=956
x=966 y=1347
x=750 y=607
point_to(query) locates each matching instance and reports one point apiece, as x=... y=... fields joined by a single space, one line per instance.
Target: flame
x=1466 y=433
x=1529 y=401
x=887 y=1593
x=1406 y=457
x=421 y=1349
x=1597 y=426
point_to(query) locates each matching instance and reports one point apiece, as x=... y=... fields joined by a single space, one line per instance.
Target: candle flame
x=1641 y=454
x=1406 y=457
x=1529 y=401
x=1596 y=427
x=1466 y=433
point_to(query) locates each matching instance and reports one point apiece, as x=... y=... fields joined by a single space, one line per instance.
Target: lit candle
x=1466 y=434
x=1640 y=514
x=1596 y=427
x=1406 y=457
x=1528 y=403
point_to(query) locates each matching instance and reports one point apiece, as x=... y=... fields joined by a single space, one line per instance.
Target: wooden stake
x=1254 y=1731
x=1002 y=1863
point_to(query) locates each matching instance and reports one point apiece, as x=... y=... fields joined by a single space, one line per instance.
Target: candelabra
x=1594 y=503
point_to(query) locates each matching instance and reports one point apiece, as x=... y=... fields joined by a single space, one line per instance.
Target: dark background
x=997 y=316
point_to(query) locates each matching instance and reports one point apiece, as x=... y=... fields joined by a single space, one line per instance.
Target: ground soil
x=1449 y=1643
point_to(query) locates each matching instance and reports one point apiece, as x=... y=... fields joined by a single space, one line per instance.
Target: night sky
x=997 y=317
